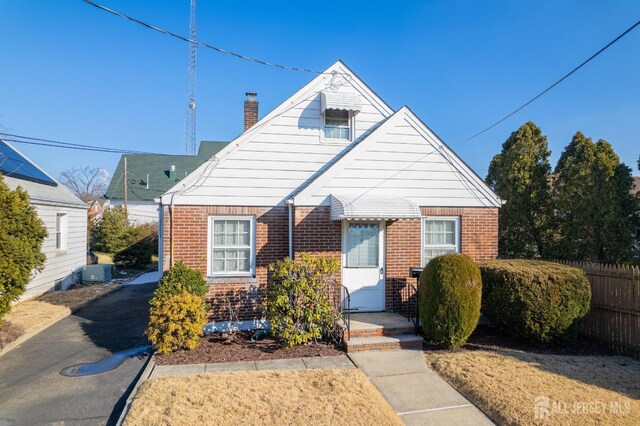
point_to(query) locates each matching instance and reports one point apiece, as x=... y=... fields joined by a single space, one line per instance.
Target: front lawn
x=305 y=397
x=582 y=386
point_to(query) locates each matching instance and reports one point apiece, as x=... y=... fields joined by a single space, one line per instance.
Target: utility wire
x=59 y=144
x=567 y=75
x=199 y=43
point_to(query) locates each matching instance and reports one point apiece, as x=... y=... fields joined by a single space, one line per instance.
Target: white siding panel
x=398 y=160
x=139 y=212
x=60 y=265
x=282 y=151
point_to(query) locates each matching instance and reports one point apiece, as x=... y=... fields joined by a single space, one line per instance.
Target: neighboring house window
x=440 y=235
x=61 y=231
x=232 y=245
x=337 y=124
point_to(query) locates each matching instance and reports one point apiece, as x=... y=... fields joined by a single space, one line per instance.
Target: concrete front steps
x=381 y=331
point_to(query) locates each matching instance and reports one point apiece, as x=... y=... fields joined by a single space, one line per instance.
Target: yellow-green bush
x=298 y=305
x=181 y=278
x=450 y=293
x=541 y=301
x=176 y=322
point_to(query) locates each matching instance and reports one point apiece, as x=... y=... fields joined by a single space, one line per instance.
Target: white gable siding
x=274 y=158
x=405 y=159
x=61 y=265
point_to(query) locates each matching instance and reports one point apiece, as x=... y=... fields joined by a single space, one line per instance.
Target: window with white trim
x=61 y=231
x=232 y=245
x=441 y=235
x=337 y=124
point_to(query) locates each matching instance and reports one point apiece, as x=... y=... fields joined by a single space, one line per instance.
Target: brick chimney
x=250 y=110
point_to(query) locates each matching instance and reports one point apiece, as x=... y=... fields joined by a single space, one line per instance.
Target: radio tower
x=190 y=144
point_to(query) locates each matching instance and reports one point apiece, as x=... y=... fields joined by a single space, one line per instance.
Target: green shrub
x=540 y=301
x=113 y=233
x=180 y=278
x=21 y=236
x=176 y=322
x=299 y=307
x=450 y=293
x=138 y=254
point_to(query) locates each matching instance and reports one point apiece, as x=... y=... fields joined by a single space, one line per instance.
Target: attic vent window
x=336 y=124
x=339 y=110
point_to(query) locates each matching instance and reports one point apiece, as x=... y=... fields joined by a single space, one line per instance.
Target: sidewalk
x=340 y=361
x=417 y=394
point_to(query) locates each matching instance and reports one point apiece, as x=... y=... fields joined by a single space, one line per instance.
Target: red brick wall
x=478 y=240
x=190 y=245
x=314 y=233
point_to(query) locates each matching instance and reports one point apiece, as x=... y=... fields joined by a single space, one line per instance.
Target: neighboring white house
x=64 y=215
x=151 y=175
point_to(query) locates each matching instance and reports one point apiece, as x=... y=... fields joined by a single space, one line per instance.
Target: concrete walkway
x=340 y=361
x=414 y=391
x=146 y=278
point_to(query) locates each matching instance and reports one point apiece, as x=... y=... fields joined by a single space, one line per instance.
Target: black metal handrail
x=405 y=300
x=345 y=307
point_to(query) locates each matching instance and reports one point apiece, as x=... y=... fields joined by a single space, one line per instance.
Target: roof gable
x=401 y=157
x=282 y=150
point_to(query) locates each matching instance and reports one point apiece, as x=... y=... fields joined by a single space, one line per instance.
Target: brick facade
x=190 y=245
x=478 y=240
x=313 y=233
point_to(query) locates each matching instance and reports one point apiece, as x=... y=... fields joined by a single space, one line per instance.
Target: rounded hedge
x=450 y=293
x=536 y=300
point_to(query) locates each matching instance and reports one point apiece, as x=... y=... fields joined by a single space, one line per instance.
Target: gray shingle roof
x=149 y=175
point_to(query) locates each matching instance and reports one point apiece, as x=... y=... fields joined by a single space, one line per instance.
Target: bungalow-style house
x=150 y=176
x=64 y=215
x=332 y=171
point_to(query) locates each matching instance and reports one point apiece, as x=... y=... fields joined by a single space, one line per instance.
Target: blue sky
x=74 y=73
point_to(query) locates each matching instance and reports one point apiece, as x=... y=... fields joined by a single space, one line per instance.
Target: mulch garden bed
x=9 y=332
x=487 y=338
x=216 y=349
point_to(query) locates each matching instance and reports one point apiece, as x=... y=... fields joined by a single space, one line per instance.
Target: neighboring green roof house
x=151 y=175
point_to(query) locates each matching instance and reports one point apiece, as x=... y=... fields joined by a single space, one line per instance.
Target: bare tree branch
x=88 y=183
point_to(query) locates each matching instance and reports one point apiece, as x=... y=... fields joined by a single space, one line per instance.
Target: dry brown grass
x=305 y=397
x=40 y=312
x=505 y=383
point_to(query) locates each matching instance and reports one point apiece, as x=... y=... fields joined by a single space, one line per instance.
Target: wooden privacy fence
x=614 y=317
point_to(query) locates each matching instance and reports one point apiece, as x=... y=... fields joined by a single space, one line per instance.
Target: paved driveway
x=32 y=390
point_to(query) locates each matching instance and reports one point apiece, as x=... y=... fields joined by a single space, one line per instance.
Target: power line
x=199 y=43
x=567 y=75
x=59 y=144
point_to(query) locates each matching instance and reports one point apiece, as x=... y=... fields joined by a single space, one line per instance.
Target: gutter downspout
x=289 y=203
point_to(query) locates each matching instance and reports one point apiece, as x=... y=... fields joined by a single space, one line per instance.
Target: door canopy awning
x=343 y=101
x=372 y=207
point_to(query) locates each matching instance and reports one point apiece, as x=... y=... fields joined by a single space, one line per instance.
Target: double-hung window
x=232 y=245
x=441 y=235
x=337 y=124
x=61 y=231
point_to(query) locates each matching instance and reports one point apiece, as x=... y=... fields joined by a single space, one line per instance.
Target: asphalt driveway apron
x=32 y=390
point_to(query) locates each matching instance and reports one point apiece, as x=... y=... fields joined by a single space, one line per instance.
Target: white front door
x=363 y=264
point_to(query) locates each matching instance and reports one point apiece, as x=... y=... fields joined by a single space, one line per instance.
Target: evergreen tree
x=519 y=174
x=593 y=203
x=113 y=233
x=22 y=233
